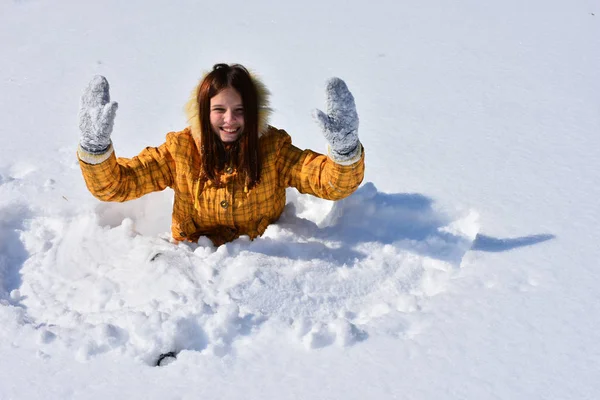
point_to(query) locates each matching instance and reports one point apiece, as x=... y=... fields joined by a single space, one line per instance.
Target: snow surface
x=465 y=267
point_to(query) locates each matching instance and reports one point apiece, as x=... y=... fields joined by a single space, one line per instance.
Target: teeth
x=229 y=130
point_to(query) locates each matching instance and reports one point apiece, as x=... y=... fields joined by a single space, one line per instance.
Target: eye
x=218 y=110
x=239 y=111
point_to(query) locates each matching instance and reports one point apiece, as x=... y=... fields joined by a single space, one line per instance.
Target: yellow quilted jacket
x=226 y=212
x=222 y=212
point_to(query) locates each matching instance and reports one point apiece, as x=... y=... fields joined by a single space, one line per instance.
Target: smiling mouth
x=230 y=131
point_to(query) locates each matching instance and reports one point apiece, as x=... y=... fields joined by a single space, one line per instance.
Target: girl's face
x=227 y=115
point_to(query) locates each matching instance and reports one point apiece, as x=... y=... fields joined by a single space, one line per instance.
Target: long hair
x=243 y=153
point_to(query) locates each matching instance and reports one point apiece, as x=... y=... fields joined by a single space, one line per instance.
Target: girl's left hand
x=340 y=124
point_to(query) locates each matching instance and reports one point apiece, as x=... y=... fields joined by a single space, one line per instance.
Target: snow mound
x=372 y=261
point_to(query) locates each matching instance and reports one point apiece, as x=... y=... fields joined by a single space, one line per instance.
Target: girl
x=229 y=169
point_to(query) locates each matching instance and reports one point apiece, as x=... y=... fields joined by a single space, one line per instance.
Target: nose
x=229 y=116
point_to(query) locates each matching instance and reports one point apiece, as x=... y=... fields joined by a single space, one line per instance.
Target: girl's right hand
x=96 y=116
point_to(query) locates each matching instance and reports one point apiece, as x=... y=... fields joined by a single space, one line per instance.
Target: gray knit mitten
x=340 y=124
x=96 y=116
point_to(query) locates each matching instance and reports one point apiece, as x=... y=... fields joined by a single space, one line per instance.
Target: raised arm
x=338 y=174
x=107 y=178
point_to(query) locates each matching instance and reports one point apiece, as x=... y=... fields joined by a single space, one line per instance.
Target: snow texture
x=321 y=286
x=465 y=267
x=96 y=116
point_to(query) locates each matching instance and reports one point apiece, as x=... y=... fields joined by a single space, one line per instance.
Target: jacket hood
x=192 y=108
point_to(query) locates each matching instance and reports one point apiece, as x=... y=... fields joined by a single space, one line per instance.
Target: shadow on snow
x=490 y=244
x=408 y=221
x=12 y=252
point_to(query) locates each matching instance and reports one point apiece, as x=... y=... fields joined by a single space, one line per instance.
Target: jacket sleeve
x=125 y=179
x=316 y=174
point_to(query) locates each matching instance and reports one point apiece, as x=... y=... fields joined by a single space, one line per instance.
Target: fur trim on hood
x=192 y=108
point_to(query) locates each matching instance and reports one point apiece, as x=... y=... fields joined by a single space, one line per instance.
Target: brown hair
x=244 y=152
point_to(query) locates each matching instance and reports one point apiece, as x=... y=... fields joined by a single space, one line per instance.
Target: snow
x=466 y=265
